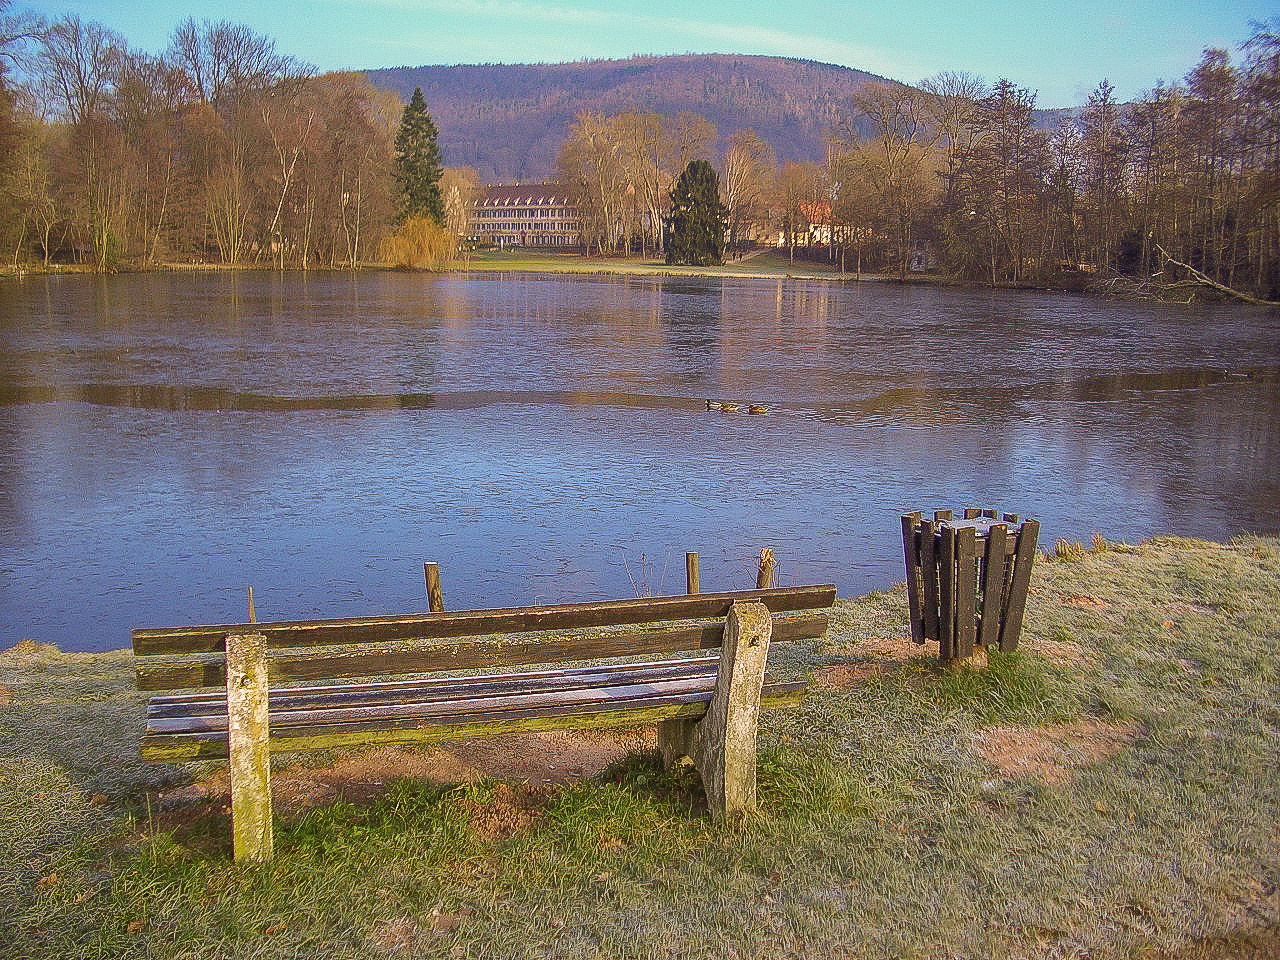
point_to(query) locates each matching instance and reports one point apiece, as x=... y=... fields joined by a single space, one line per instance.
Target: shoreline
x=525 y=261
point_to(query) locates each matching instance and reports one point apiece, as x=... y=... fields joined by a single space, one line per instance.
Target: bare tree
x=748 y=169
x=646 y=146
x=953 y=101
x=589 y=162
x=896 y=159
x=78 y=63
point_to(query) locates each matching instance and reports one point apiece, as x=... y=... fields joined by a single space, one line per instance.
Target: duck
x=757 y=409
x=729 y=407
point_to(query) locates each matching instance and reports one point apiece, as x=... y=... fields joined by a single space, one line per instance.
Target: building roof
x=526 y=194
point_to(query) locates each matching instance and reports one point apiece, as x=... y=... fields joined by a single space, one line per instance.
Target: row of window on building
x=527 y=215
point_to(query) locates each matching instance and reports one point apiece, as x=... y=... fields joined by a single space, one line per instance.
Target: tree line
x=223 y=149
x=220 y=149
x=960 y=175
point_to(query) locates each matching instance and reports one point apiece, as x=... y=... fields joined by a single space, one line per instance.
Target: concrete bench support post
x=248 y=744
x=722 y=744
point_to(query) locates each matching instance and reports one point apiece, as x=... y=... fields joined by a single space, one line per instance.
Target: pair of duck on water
x=733 y=407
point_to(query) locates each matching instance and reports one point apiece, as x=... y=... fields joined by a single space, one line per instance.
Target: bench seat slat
x=440 y=688
x=513 y=698
x=650 y=708
x=448 y=626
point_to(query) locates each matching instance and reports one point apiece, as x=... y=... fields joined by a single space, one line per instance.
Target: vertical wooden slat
x=1017 y=600
x=947 y=591
x=692 y=577
x=992 y=586
x=247 y=742
x=972 y=513
x=253 y=614
x=929 y=579
x=911 y=549
x=966 y=588
x=435 y=594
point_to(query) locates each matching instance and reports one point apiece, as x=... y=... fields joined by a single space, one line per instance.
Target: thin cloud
x=539 y=27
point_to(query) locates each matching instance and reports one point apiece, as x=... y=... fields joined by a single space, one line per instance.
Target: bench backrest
x=318 y=651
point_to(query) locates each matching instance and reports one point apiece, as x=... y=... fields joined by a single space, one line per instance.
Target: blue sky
x=1058 y=50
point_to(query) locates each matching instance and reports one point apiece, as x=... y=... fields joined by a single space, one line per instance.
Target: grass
x=767 y=264
x=889 y=826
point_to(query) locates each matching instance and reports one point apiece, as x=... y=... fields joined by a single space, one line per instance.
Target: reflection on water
x=167 y=441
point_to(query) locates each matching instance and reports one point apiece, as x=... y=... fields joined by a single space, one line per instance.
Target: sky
x=1059 y=51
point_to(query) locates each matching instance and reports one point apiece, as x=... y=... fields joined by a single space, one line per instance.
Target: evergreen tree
x=418 y=166
x=696 y=227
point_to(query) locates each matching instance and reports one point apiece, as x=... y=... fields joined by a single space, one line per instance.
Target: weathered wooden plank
x=1016 y=602
x=947 y=595
x=692 y=574
x=966 y=585
x=412 y=711
x=449 y=626
x=992 y=586
x=911 y=550
x=185 y=674
x=373 y=700
x=449 y=687
x=180 y=748
x=174 y=674
x=929 y=580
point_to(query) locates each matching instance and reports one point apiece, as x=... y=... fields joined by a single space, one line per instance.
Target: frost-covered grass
x=891 y=825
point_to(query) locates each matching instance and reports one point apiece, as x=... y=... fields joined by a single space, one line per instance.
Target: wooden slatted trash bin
x=967 y=579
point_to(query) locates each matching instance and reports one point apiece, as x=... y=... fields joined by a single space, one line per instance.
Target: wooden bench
x=254 y=688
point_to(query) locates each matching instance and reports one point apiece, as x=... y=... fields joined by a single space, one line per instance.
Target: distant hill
x=508 y=122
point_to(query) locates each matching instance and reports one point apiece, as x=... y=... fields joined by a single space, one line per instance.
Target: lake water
x=169 y=440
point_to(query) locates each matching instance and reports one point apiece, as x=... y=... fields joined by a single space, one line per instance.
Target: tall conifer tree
x=696 y=228
x=418 y=166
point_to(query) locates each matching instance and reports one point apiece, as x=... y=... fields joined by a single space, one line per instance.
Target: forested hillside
x=509 y=122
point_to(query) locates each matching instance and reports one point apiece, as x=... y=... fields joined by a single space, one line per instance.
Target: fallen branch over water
x=1198 y=278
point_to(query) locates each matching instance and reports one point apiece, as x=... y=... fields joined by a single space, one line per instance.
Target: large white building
x=525 y=215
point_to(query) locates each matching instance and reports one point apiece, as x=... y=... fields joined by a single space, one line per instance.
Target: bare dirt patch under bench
x=536 y=759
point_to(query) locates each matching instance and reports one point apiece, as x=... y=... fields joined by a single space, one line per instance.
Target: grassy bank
x=1110 y=791
x=766 y=265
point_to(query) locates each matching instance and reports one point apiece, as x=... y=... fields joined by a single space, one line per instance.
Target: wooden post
x=722 y=744
x=692 y=578
x=248 y=731
x=253 y=614
x=768 y=568
x=435 y=596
